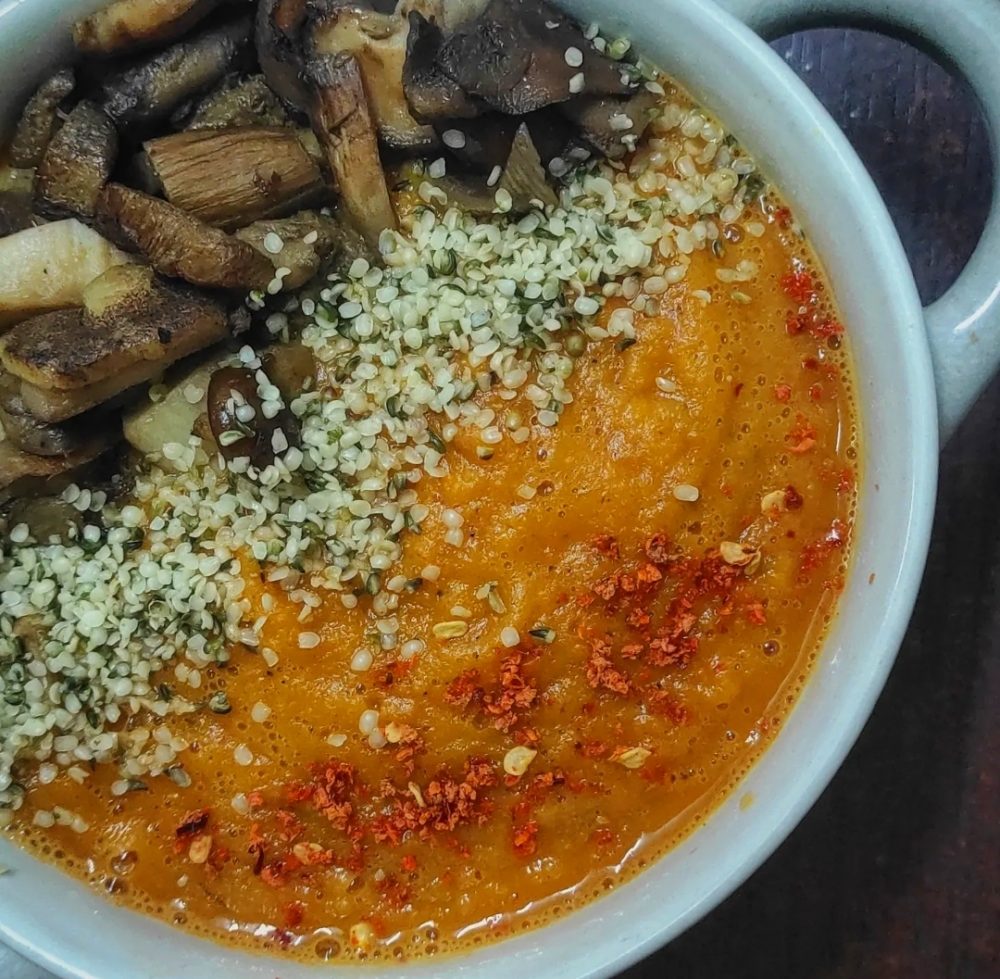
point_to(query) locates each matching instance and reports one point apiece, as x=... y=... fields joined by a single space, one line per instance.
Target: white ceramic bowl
x=63 y=925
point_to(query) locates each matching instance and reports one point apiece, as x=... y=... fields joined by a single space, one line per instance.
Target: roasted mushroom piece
x=300 y=243
x=22 y=473
x=47 y=517
x=38 y=120
x=132 y=327
x=277 y=37
x=238 y=102
x=232 y=177
x=431 y=94
x=48 y=267
x=77 y=164
x=378 y=42
x=127 y=25
x=179 y=245
x=15 y=211
x=151 y=90
x=239 y=424
x=48 y=439
x=611 y=125
x=344 y=126
x=522 y=55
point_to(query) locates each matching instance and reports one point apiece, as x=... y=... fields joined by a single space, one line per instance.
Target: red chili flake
x=783 y=217
x=291 y=828
x=601 y=671
x=604 y=836
x=756 y=614
x=665 y=704
x=463 y=689
x=647 y=575
x=394 y=892
x=814 y=554
x=409 y=863
x=783 y=393
x=793 y=499
x=799 y=286
x=255 y=799
x=816 y=392
x=192 y=823
x=525 y=838
x=657 y=549
x=607 y=587
x=293 y=914
x=633 y=650
x=593 y=749
x=810 y=364
x=846 y=481
x=802 y=436
x=607 y=544
x=737 y=389
x=797 y=323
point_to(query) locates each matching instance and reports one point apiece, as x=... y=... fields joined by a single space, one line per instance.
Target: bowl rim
x=607 y=957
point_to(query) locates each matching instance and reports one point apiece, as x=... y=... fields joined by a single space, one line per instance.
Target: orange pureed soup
x=610 y=620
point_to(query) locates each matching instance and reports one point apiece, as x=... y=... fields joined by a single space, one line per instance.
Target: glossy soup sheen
x=667 y=674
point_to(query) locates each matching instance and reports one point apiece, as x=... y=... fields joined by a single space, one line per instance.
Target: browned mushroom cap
x=179 y=245
x=232 y=177
x=48 y=267
x=151 y=89
x=38 y=120
x=344 y=126
x=50 y=440
x=77 y=164
x=301 y=243
x=519 y=56
x=15 y=211
x=612 y=125
x=277 y=37
x=259 y=438
x=128 y=25
x=378 y=42
x=431 y=94
x=22 y=473
x=132 y=327
x=238 y=102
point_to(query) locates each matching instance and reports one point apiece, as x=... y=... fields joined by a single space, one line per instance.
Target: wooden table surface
x=895 y=874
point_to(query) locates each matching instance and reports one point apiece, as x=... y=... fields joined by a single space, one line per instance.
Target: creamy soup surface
x=598 y=621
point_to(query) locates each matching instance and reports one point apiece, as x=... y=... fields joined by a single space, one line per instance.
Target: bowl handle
x=964 y=324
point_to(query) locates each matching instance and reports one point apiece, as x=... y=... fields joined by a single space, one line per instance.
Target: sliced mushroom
x=246 y=102
x=232 y=177
x=38 y=120
x=133 y=327
x=49 y=440
x=523 y=177
x=259 y=438
x=49 y=266
x=77 y=164
x=277 y=36
x=151 y=89
x=300 y=243
x=482 y=143
x=179 y=245
x=15 y=211
x=47 y=517
x=431 y=94
x=612 y=126
x=22 y=473
x=378 y=42
x=514 y=60
x=344 y=126
x=127 y=25
x=291 y=368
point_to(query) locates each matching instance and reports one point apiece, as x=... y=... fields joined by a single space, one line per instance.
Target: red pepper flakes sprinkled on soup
x=523 y=516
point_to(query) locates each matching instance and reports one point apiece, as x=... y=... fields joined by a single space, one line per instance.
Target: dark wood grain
x=895 y=874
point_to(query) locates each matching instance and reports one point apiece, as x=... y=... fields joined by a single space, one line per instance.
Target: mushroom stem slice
x=149 y=91
x=232 y=177
x=127 y=25
x=22 y=473
x=77 y=164
x=247 y=102
x=38 y=120
x=344 y=126
x=379 y=43
x=48 y=267
x=432 y=95
x=179 y=245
